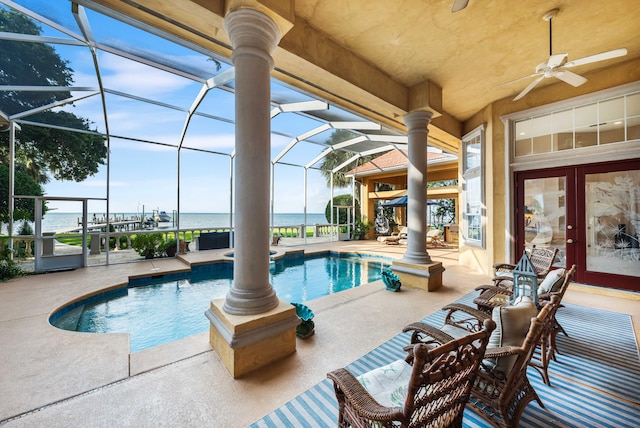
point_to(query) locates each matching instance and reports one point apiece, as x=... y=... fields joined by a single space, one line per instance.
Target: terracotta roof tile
x=395 y=159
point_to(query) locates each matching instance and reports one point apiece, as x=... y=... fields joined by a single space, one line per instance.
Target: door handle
x=569 y=241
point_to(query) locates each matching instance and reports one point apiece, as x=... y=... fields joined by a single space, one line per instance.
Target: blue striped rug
x=595 y=382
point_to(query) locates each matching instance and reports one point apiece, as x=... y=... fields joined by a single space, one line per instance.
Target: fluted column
x=254 y=36
x=417 y=123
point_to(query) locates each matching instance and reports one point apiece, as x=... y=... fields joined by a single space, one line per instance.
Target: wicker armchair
x=556 y=286
x=499 y=396
x=433 y=386
x=541 y=259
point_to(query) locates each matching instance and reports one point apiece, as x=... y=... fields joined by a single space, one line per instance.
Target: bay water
x=58 y=221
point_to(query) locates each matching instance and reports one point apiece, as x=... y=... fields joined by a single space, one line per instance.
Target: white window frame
x=468 y=173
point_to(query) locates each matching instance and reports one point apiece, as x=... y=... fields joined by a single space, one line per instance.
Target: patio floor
x=52 y=377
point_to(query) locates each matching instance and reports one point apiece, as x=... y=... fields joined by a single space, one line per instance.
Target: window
x=613 y=120
x=473 y=187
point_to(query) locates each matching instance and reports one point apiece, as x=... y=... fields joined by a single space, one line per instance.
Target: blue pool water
x=162 y=309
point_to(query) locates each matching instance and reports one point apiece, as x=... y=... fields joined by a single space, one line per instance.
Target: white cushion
x=512 y=326
x=388 y=384
x=504 y=274
x=550 y=281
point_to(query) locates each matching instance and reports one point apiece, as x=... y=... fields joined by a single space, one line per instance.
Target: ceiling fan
x=459 y=5
x=556 y=66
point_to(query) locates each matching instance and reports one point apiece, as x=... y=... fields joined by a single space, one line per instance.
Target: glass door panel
x=545 y=215
x=612 y=216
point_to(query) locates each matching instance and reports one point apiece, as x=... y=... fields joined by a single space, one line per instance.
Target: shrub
x=9 y=269
x=170 y=246
x=149 y=245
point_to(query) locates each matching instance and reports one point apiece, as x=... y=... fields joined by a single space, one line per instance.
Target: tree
x=340 y=215
x=24 y=185
x=337 y=157
x=40 y=151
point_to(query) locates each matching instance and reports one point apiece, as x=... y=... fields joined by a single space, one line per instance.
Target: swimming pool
x=161 y=309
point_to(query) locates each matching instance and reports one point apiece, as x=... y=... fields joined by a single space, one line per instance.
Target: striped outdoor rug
x=595 y=382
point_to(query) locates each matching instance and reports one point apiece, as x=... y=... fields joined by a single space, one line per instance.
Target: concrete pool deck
x=52 y=377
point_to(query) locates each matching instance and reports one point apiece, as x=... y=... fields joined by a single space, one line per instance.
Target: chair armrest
x=425 y=333
x=504 y=267
x=480 y=315
x=465 y=317
x=495 y=288
x=359 y=398
x=503 y=351
x=498 y=280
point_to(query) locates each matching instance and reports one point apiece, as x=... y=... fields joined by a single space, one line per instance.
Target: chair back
x=568 y=277
x=514 y=381
x=542 y=259
x=442 y=378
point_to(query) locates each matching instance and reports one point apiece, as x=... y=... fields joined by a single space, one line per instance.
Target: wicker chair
x=541 y=259
x=548 y=347
x=499 y=397
x=432 y=393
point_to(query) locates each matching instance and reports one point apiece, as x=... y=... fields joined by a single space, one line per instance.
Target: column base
x=248 y=342
x=425 y=276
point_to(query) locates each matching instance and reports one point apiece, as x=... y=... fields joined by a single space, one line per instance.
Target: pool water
x=160 y=310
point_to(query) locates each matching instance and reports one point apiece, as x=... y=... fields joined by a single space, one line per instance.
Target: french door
x=591 y=213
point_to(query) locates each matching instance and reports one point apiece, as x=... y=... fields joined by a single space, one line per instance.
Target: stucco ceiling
x=471 y=52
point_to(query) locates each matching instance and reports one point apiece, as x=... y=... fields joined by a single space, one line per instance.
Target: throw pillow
x=389 y=384
x=552 y=281
x=512 y=326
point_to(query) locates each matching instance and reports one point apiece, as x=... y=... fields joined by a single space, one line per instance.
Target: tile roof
x=397 y=158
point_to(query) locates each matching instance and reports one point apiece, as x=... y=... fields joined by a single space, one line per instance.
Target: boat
x=161 y=219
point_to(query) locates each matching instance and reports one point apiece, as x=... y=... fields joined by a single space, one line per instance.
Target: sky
x=146 y=175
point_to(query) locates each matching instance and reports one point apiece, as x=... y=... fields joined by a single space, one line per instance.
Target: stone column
x=417 y=123
x=254 y=36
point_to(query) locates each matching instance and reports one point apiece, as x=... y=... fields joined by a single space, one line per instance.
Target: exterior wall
x=498 y=228
x=438 y=172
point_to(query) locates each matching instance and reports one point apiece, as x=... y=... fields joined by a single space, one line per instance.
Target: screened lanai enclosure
x=137 y=131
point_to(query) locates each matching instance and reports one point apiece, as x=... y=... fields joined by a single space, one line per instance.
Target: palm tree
x=337 y=157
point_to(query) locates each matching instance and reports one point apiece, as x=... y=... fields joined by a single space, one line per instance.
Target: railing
x=300 y=230
x=24 y=244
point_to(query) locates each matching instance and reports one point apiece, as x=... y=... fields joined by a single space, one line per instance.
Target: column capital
x=252 y=33
x=418 y=119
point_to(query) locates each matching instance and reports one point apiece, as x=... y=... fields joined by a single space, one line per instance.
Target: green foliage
x=337 y=157
x=9 y=269
x=24 y=185
x=66 y=155
x=340 y=215
x=360 y=228
x=170 y=247
x=149 y=245
x=25 y=228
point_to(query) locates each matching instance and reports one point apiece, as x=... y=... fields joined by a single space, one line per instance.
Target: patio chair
x=395 y=238
x=501 y=390
x=541 y=259
x=555 y=284
x=434 y=238
x=430 y=388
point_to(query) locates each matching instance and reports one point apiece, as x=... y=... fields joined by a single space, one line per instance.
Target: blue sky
x=146 y=174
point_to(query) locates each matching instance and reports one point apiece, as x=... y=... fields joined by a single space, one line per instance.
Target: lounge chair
x=429 y=388
x=395 y=238
x=434 y=238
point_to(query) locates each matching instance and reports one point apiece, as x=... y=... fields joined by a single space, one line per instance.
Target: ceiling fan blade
x=556 y=60
x=570 y=77
x=528 y=88
x=459 y=5
x=517 y=80
x=597 y=57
